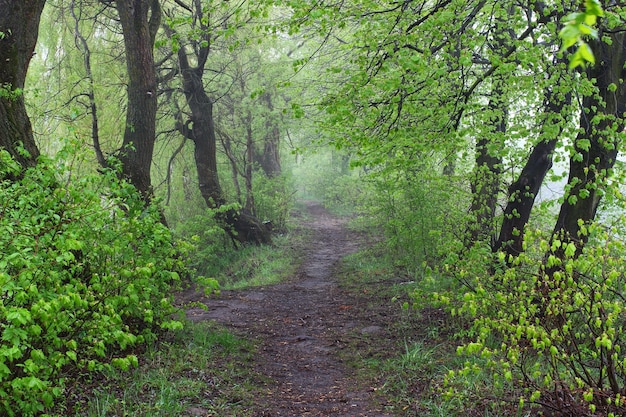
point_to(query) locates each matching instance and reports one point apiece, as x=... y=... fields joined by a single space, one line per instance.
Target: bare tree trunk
x=19 y=29
x=82 y=45
x=248 y=168
x=234 y=170
x=269 y=157
x=202 y=132
x=140 y=20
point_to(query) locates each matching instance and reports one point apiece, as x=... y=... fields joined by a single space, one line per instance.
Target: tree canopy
x=484 y=139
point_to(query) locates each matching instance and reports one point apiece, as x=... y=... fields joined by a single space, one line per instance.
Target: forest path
x=307 y=329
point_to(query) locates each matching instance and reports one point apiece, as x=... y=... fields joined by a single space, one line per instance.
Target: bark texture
x=596 y=146
x=19 y=28
x=522 y=194
x=202 y=130
x=269 y=157
x=140 y=21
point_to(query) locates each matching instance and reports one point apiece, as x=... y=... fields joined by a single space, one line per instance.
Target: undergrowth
x=411 y=371
x=201 y=369
x=86 y=277
x=254 y=265
x=198 y=370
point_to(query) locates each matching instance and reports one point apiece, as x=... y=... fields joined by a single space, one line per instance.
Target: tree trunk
x=140 y=21
x=523 y=191
x=269 y=157
x=82 y=44
x=522 y=195
x=596 y=145
x=19 y=28
x=234 y=170
x=202 y=132
x=249 y=164
x=487 y=173
x=245 y=227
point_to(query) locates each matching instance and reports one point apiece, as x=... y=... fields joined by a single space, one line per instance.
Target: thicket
x=86 y=276
x=549 y=328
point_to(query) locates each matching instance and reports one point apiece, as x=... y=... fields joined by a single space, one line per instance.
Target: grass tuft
x=415 y=378
x=199 y=370
x=255 y=266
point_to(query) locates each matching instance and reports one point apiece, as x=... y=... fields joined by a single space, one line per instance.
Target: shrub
x=551 y=323
x=86 y=273
x=417 y=213
x=274 y=200
x=212 y=246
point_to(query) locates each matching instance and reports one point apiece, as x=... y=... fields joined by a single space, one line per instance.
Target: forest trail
x=306 y=330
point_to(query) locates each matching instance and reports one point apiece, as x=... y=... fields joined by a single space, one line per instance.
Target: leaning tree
x=192 y=55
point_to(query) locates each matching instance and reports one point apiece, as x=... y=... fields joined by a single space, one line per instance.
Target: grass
x=418 y=374
x=255 y=266
x=200 y=370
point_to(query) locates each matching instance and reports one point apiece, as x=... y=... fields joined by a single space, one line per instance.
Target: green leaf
x=593 y=7
x=584 y=144
x=590 y=19
x=586 y=53
x=569 y=35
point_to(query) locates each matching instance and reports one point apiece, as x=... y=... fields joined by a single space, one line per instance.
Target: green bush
x=418 y=213
x=548 y=322
x=212 y=246
x=274 y=200
x=86 y=274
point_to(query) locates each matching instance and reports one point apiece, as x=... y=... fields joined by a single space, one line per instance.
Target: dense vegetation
x=144 y=141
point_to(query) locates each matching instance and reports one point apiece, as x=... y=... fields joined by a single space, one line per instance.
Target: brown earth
x=309 y=329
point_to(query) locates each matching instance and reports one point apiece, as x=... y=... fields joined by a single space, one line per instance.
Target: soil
x=309 y=329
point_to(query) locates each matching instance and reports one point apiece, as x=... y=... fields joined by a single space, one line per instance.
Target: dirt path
x=303 y=326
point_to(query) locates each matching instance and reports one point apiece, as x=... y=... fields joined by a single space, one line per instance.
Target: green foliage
x=256 y=265
x=196 y=369
x=578 y=26
x=211 y=244
x=218 y=264
x=273 y=200
x=326 y=176
x=86 y=273
x=411 y=209
x=8 y=92
x=553 y=326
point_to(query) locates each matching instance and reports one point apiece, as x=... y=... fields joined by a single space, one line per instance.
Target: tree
x=200 y=128
x=268 y=153
x=84 y=48
x=601 y=132
x=19 y=27
x=487 y=176
x=140 y=21
x=524 y=190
